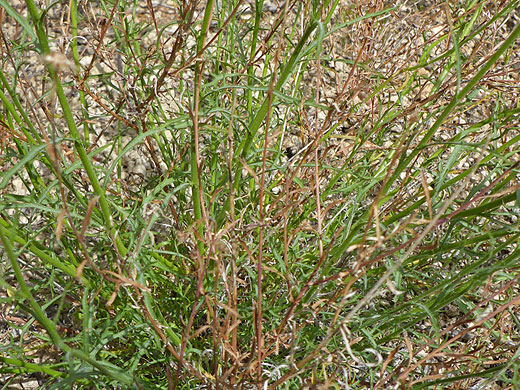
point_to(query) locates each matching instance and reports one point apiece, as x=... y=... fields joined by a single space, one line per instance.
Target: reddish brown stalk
x=259 y=313
x=105 y=24
x=410 y=367
x=114 y=114
x=165 y=340
x=367 y=297
x=263 y=48
x=389 y=171
x=286 y=243
x=347 y=81
x=199 y=54
x=316 y=158
x=186 y=17
x=481 y=194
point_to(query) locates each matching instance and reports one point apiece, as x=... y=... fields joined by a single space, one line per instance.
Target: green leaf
x=20 y=19
x=28 y=157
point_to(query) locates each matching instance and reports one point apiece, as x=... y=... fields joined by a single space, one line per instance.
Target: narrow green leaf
x=29 y=157
x=19 y=18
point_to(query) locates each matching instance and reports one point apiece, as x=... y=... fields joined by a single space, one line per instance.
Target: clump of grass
x=259 y=195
